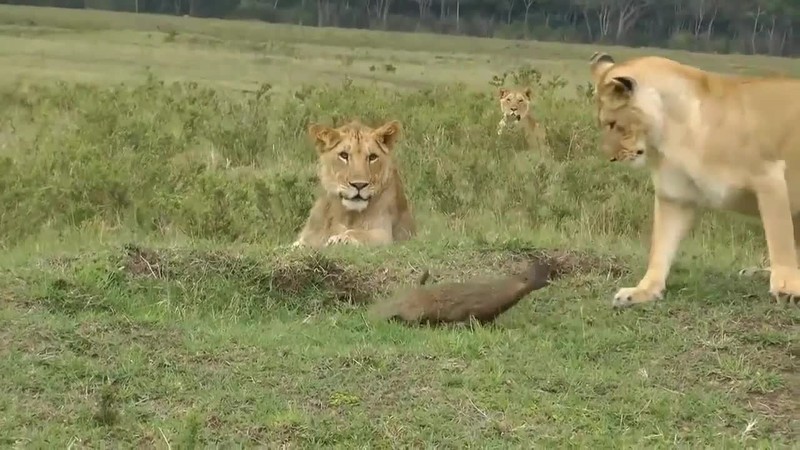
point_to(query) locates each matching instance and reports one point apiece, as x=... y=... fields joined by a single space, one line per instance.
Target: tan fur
x=710 y=141
x=363 y=200
x=515 y=105
x=460 y=302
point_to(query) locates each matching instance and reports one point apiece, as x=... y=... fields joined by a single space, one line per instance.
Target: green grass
x=153 y=170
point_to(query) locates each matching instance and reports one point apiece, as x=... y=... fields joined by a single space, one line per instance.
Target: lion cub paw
x=633 y=295
x=343 y=238
x=784 y=286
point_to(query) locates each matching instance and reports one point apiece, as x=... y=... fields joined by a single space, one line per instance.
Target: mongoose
x=458 y=302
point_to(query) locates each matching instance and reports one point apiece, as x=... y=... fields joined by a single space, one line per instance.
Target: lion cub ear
x=324 y=137
x=502 y=92
x=528 y=93
x=388 y=133
x=599 y=63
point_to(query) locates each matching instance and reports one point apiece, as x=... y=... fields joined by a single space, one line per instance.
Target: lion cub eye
x=611 y=125
x=373 y=157
x=343 y=156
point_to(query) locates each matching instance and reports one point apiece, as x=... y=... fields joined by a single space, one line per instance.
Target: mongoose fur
x=460 y=302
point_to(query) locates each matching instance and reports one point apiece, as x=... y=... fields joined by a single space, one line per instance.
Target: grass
x=153 y=169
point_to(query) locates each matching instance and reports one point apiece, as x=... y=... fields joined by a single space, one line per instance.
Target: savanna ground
x=153 y=169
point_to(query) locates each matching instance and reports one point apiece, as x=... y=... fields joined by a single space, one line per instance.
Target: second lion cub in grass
x=515 y=105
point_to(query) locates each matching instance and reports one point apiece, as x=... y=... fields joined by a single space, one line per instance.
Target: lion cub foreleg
x=671 y=222
x=379 y=234
x=503 y=125
x=775 y=209
x=535 y=134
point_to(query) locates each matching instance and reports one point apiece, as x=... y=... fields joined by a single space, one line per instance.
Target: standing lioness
x=710 y=141
x=362 y=199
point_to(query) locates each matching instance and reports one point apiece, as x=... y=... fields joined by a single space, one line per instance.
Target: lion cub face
x=355 y=160
x=624 y=131
x=514 y=103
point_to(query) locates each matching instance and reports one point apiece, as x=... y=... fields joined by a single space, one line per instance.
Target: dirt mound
x=306 y=281
x=569 y=262
x=295 y=275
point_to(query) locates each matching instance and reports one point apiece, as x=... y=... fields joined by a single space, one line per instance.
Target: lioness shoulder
x=362 y=198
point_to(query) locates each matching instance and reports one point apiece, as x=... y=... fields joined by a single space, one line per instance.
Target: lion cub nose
x=358 y=184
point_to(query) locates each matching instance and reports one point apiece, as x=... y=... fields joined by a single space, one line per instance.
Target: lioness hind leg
x=764 y=269
x=774 y=208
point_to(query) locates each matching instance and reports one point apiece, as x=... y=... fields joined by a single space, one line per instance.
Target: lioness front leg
x=774 y=206
x=671 y=222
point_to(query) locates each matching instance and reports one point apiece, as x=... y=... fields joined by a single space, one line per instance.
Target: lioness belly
x=675 y=184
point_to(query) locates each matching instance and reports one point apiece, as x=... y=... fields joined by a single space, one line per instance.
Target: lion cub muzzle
x=514 y=113
x=355 y=196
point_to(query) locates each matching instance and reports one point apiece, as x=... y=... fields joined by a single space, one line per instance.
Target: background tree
x=744 y=26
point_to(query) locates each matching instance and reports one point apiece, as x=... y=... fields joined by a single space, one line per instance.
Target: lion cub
x=460 y=302
x=362 y=200
x=515 y=105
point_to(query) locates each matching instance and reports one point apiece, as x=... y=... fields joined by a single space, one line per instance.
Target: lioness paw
x=784 y=286
x=633 y=295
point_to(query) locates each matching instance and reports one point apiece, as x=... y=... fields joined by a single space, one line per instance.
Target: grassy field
x=153 y=169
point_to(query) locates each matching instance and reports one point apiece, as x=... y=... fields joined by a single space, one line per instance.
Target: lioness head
x=355 y=160
x=515 y=103
x=623 y=123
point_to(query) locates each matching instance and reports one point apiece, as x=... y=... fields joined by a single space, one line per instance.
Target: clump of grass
x=107 y=412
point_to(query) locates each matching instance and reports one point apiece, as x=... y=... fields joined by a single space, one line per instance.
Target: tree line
x=721 y=26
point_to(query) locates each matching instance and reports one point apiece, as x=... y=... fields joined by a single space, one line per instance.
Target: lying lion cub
x=362 y=199
x=709 y=141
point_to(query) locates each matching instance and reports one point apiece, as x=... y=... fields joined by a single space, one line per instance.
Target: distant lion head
x=624 y=125
x=355 y=161
x=515 y=103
